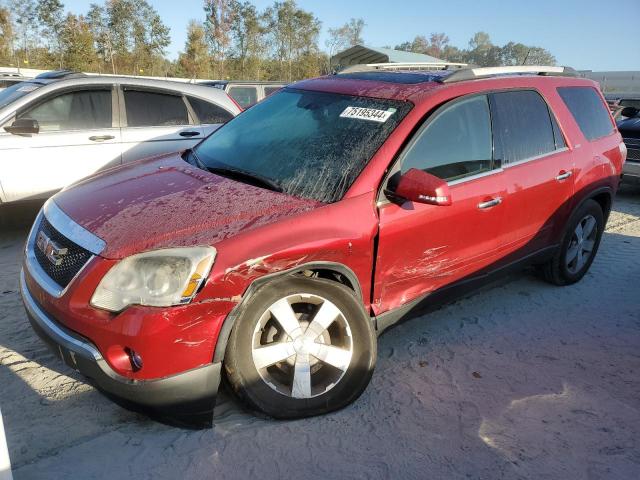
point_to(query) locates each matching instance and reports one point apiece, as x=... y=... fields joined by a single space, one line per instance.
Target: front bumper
x=187 y=397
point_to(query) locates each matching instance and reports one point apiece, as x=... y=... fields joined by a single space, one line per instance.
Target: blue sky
x=585 y=34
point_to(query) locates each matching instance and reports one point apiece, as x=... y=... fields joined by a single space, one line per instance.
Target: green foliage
x=481 y=51
x=234 y=40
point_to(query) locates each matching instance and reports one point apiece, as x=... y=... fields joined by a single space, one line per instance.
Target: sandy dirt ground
x=521 y=380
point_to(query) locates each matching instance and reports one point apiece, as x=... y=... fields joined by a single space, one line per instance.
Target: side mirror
x=24 y=127
x=629 y=112
x=422 y=187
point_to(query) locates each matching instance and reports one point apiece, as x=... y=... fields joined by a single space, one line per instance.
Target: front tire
x=301 y=347
x=579 y=246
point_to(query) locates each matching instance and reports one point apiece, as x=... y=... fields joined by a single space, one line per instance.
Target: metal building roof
x=365 y=54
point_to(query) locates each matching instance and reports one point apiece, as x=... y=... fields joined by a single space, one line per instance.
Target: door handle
x=101 y=138
x=564 y=175
x=189 y=134
x=490 y=203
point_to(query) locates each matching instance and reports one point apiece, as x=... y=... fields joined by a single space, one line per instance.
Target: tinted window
x=312 y=144
x=269 y=90
x=587 y=108
x=521 y=126
x=245 y=96
x=82 y=110
x=457 y=143
x=152 y=109
x=209 y=113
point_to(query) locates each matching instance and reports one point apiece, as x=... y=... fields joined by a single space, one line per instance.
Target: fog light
x=136 y=360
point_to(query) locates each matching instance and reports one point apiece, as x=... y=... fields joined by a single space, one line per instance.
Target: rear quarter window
x=589 y=111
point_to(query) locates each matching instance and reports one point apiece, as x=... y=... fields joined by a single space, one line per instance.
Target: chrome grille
x=72 y=262
x=633 y=154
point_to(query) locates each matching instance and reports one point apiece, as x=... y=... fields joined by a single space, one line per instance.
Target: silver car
x=62 y=126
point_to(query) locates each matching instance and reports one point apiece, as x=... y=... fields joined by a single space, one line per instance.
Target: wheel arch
x=333 y=271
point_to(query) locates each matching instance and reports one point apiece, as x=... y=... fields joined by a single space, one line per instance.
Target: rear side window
x=245 y=96
x=81 y=110
x=152 y=109
x=587 y=108
x=269 y=90
x=522 y=126
x=209 y=113
x=456 y=143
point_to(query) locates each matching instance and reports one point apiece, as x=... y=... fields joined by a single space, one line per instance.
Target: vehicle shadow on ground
x=494 y=384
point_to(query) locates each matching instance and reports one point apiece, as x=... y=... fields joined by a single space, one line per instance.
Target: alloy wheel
x=302 y=346
x=581 y=246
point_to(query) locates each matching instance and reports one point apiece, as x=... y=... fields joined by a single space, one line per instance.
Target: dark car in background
x=245 y=93
x=629 y=127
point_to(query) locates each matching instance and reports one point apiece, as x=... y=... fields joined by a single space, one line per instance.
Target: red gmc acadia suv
x=281 y=246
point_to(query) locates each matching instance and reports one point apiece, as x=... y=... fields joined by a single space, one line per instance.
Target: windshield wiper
x=189 y=154
x=231 y=172
x=239 y=174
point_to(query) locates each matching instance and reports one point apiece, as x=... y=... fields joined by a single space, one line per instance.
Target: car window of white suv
x=154 y=109
x=79 y=110
x=209 y=113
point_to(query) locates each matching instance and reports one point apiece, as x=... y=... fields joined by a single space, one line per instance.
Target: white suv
x=61 y=127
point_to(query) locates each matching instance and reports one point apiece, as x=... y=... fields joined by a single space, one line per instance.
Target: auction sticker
x=371 y=114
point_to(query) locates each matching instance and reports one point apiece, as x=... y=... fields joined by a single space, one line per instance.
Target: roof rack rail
x=486 y=72
x=371 y=67
x=58 y=74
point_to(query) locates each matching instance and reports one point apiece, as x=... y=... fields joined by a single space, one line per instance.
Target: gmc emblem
x=51 y=249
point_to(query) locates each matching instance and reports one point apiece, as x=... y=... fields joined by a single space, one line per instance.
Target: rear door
x=78 y=136
x=538 y=169
x=155 y=122
x=424 y=247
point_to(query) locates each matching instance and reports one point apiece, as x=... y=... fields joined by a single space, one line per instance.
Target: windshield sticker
x=370 y=114
x=27 y=88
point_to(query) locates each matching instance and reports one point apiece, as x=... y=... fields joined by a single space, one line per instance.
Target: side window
x=269 y=90
x=81 y=110
x=557 y=133
x=522 y=126
x=209 y=113
x=587 y=108
x=245 y=96
x=153 y=109
x=456 y=143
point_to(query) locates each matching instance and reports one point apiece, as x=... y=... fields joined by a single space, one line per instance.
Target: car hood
x=165 y=202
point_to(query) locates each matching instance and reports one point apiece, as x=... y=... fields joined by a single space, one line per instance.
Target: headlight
x=160 y=278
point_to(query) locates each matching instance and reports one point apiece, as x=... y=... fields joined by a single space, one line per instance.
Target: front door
x=424 y=247
x=77 y=137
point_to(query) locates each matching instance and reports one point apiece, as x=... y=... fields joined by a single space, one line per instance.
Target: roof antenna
x=526 y=57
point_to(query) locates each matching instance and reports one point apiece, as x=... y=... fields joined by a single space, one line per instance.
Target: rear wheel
x=579 y=246
x=301 y=347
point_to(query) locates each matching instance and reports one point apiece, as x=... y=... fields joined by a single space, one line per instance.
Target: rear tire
x=579 y=246
x=301 y=347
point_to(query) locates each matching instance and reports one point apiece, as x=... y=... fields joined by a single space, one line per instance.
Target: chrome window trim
x=470 y=178
x=533 y=159
x=70 y=229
